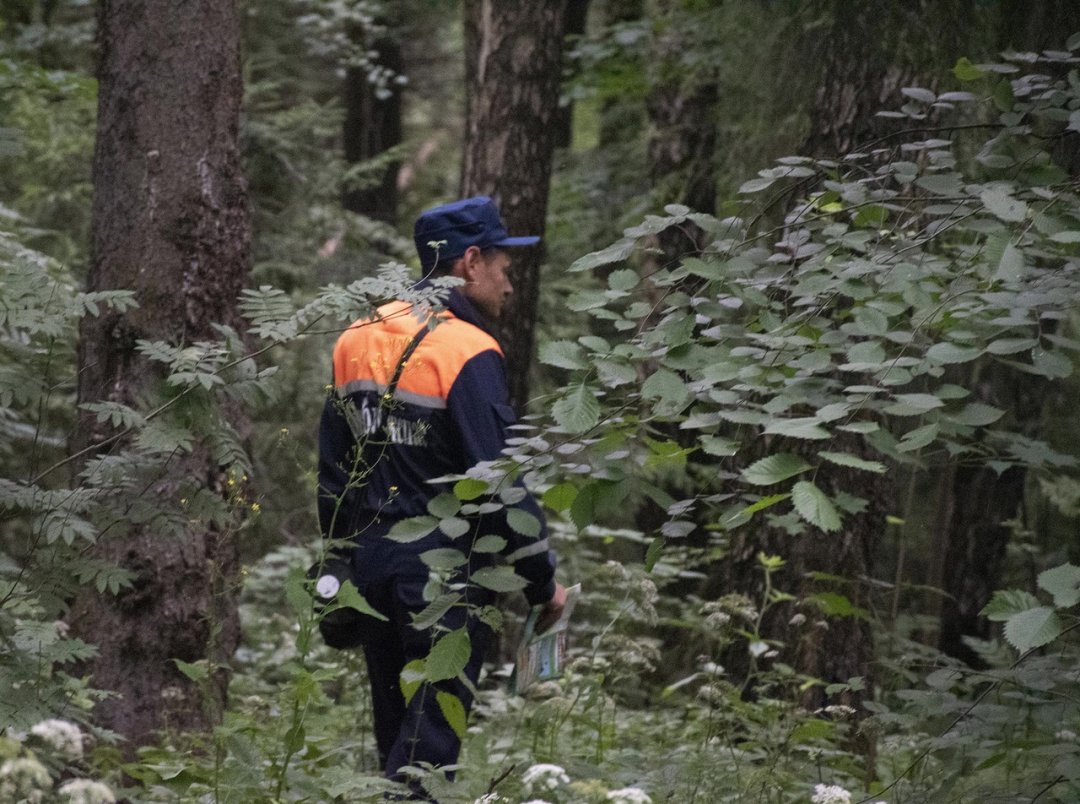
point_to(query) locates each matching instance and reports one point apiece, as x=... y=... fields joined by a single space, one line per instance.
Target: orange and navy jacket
x=450 y=411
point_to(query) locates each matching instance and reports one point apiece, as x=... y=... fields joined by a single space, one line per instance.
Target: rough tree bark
x=513 y=56
x=170 y=221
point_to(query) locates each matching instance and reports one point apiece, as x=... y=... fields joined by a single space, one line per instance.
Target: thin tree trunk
x=373 y=126
x=170 y=221
x=577 y=15
x=513 y=57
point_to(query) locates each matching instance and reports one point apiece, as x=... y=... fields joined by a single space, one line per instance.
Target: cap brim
x=517 y=241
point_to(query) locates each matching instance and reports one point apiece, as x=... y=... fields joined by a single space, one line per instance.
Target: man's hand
x=552 y=610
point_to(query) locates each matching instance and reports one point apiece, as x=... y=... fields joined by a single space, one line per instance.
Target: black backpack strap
x=419 y=336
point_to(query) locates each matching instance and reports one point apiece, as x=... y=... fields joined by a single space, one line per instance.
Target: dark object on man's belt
x=342 y=626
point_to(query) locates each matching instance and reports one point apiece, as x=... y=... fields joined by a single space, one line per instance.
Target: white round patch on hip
x=327 y=586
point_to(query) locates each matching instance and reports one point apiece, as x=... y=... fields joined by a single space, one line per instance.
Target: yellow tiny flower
x=255 y=508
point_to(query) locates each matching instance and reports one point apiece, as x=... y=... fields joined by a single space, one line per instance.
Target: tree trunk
x=577 y=15
x=682 y=109
x=871 y=51
x=170 y=221
x=513 y=56
x=372 y=127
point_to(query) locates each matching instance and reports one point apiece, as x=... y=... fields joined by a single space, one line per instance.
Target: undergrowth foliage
x=862 y=315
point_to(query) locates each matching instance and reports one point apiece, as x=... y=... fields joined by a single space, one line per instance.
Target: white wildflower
x=23 y=779
x=63 y=735
x=797 y=619
x=840 y=711
x=717 y=620
x=490 y=798
x=830 y=794
x=629 y=795
x=536 y=801
x=544 y=777
x=86 y=791
x=1065 y=736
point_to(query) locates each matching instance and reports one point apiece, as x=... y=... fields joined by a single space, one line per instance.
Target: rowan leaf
x=813 y=505
x=853 y=462
x=577 y=412
x=774 y=468
x=453 y=710
x=1033 y=628
x=1063 y=582
x=448 y=656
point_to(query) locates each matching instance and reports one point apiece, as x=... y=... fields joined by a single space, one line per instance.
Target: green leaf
x=560 y=496
x=715 y=445
x=349 y=597
x=616 y=252
x=946 y=352
x=577 y=412
x=448 y=656
x=623 y=280
x=498 y=579
x=812 y=731
x=1007 y=602
x=613 y=373
x=1010 y=346
x=814 y=506
x=765 y=502
x=1033 y=628
x=653 y=553
x=596 y=499
x=436 y=610
x=470 y=488
x=806 y=428
x=523 y=522
x=1066 y=237
x=563 y=354
x=443 y=558
x=454 y=526
x=833 y=604
x=1063 y=582
x=1003 y=206
x=966 y=71
x=913 y=404
x=755 y=185
x=412 y=529
x=774 y=468
x=489 y=544
x=1010 y=267
x=941 y=183
x=668 y=388
x=412 y=676
x=196 y=671
x=295 y=738
x=849 y=460
x=976 y=414
x=443 y=505
x=453 y=710
x=1051 y=364
x=918 y=438
x=1002 y=95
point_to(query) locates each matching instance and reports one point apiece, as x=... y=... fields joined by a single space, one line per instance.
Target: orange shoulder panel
x=369 y=351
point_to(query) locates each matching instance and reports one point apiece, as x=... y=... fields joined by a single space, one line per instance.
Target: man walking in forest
x=418 y=397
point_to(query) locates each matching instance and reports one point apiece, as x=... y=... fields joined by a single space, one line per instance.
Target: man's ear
x=469 y=263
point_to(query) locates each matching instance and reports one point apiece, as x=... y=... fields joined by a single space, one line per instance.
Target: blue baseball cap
x=442 y=234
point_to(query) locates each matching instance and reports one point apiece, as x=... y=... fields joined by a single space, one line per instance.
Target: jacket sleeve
x=336 y=448
x=479 y=406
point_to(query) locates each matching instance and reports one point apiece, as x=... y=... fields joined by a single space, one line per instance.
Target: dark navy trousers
x=391 y=577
